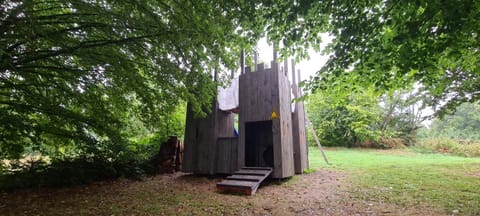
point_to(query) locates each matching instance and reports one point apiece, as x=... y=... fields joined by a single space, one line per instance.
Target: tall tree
x=392 y=44
x=74 y=70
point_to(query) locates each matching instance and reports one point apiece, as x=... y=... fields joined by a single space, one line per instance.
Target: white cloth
x=228 y=97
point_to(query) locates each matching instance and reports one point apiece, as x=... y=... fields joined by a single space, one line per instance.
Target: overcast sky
x=307 y=67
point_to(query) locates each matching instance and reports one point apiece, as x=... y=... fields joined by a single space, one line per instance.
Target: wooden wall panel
x=302 y=136
x=255 y=103
x=201 y=134
x=224 y=124
x=288 y=168
x=226 y=155
x=299 y=136
x=262 y=93
x=190 y=156
x=198 y=139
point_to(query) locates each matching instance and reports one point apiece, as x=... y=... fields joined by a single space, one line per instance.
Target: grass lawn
x=408 y=178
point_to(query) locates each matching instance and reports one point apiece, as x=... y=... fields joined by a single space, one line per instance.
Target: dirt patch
x=474 y=174
x=323 y=193
x=318 y=193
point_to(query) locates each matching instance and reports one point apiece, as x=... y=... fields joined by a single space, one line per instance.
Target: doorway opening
x=259 y=144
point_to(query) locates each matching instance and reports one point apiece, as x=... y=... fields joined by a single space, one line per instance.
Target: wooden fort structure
x=271 y=137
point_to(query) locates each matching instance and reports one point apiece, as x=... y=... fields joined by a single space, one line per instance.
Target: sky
x=307 y=67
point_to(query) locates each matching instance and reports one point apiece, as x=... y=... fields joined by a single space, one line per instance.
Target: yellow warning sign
x=274 y=115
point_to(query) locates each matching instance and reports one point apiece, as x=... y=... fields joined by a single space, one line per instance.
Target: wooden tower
x=270 y=134
x=265 y=121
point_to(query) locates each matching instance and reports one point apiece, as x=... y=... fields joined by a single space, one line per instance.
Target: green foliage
x=406 y=178
x=69 y=171
x=463 y=124
x=393 y=44
x=84 y=74
x=449 y=146
x=349 y=115
x=344 y=119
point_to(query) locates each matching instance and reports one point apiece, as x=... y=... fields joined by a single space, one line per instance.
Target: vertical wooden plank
x=226 y=158
x=302 y=136
x=299 y=133
x=274 y=53
x=255 y=61
x=199 y=135
x=260 y=67
x=286 y=127
x=294 y=80
x=234 y=155
x=242 y=62
x=189 y=142
x=302 y=128
x=276 y=123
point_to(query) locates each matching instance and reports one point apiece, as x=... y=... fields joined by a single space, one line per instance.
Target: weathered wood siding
x=299 y=136
x=226 y=155
x=261 y=93
x=201 y=135
x=285 y=124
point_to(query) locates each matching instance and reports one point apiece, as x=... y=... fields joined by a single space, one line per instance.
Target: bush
x=80 y=170
x=467 y=148
x=384 y=143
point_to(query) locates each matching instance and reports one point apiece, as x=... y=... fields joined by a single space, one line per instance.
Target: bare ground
x=320 y=193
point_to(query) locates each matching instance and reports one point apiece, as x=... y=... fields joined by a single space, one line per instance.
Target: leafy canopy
x=73 y=71
x=76 y=71
x=392 y=44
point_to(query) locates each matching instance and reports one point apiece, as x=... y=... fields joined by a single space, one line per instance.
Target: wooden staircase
x=244 y=181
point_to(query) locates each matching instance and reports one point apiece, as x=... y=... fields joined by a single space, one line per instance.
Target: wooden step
x=235 y=186
x=246 y=177
x=252 y=172
x=245 y=181
x=256 y=168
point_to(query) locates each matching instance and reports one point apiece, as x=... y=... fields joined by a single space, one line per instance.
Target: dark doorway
x=259 y=144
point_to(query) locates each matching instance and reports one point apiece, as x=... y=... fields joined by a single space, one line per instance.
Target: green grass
x=408 y=178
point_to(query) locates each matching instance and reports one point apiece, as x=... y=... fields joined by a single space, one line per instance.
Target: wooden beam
x=274 y=53
x=255 y=61
x=300 y=93
x=242 y=62
x=294 y=80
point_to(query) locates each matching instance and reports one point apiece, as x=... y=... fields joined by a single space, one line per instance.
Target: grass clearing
x=408 y=178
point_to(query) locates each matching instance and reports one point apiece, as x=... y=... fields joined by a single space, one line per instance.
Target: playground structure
x=271 y=135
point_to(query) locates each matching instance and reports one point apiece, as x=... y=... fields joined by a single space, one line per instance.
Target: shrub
x=59 y=172
x=467 y=148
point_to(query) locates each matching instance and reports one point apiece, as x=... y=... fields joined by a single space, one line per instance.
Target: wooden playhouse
x=271 y=137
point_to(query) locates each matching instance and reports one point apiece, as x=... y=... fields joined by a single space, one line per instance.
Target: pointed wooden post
x=299 y=80
x=274 y=53
x=242 y=62
x=294 y=80
x=255 y=61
